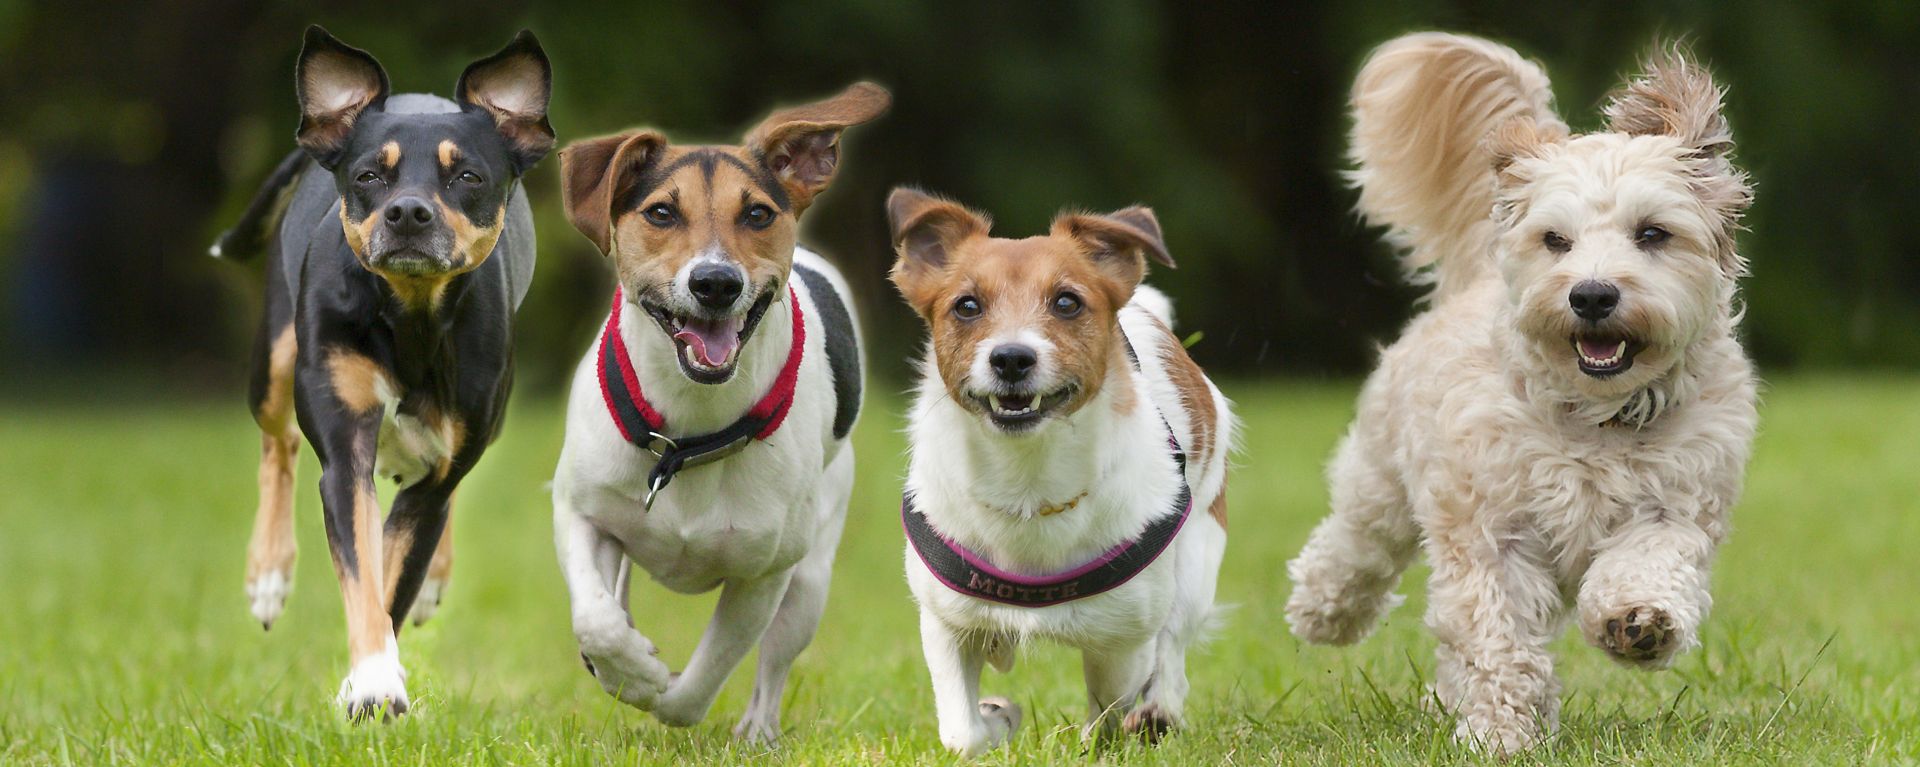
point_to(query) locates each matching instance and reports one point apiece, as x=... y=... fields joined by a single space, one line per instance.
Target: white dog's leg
x=969 y=726
x=739 y=620
x=1344 y=578
x=1494 y=607
x=1115 y=679
x=1163 y=704
x=618 y=656
x=799 y=612
x=1645 y=595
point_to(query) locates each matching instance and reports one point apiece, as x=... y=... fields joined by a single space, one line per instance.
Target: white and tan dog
x=731 y=369
x=1567 y=429
x=1068 y=467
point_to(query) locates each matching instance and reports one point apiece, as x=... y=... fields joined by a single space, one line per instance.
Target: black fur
x=843 y=350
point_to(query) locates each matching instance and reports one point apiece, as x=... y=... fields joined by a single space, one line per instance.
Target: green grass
x=124 y=638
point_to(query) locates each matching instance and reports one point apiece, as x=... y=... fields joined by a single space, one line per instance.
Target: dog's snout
x=1012 y=363
x=716 y=286
x=1593 y=300
x=409 y=215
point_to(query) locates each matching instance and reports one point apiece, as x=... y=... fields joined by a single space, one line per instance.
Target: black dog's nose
x=1594 y=300
x=716 y=286
x=1012 y=362
x=409 y=215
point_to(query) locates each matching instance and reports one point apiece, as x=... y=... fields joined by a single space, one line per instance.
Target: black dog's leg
x=413 y=533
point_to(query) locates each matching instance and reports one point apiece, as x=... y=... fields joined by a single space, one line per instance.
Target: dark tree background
x=131 y=134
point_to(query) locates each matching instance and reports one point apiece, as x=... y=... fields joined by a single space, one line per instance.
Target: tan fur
x=1423 y=105
x=357 y=381
x=359 y=233
x=449 y=154
x=363 y=588
x=709 y=212
x=390 y=155
x=272 y=547
x=1196 y=397
x=801 y=144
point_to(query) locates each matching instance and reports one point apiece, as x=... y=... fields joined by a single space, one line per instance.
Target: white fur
x=376 y=685
x=267 y=595
x=1478 y=439
x=967 y=477
x=761 y=524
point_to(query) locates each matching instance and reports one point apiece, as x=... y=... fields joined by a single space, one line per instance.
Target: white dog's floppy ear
x=1118 y=243
x=1677 y=97
x=801 y=146
x=925 y=230
x=597 y=174
x=334 y=83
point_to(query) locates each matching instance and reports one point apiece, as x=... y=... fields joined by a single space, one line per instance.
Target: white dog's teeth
x=1036 y=403
x=993 y=402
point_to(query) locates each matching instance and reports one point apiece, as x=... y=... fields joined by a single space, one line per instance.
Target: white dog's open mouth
x=709 y=347
x=1017 y=412
x=1603 y=356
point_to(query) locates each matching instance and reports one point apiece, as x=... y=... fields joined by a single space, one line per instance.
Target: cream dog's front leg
x=969 y=725
x=618 y=656
x=1645 y=596
x=745 y=609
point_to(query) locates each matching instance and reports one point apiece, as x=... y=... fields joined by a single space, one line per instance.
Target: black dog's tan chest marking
x=843 y=352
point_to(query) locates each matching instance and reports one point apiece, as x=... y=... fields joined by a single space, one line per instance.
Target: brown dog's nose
x=409 y=215
x=1012 y=362
x=1593 y=300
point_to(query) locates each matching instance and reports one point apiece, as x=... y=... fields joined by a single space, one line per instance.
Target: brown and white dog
x=730 y=346
x=1063 y=447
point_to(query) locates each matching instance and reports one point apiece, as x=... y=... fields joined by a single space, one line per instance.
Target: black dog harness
x=643 y=426
x=969 y=573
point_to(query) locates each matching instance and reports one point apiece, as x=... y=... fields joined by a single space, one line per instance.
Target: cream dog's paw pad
x=1150 y=722
x=1640 y=635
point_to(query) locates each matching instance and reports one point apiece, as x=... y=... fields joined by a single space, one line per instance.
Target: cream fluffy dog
x=1566 y=430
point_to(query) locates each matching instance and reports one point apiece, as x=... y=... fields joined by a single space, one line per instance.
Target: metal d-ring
x=654 y=439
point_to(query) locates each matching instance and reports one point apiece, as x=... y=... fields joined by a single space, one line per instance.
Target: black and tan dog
x=399 y=244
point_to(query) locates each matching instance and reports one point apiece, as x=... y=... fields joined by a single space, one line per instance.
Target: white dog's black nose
x=1012 y=362
x=716 y=286
x=1593 y=300
x=409 y=215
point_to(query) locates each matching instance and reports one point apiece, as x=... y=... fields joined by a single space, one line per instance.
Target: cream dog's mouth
x=1602 y=356
x=1020 y=411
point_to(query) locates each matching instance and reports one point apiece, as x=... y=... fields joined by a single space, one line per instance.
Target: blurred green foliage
x=133 y=133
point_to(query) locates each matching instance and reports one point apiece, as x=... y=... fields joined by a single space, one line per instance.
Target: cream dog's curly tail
x=1423 y=107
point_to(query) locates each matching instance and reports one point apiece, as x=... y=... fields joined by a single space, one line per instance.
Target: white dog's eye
x=1650 y=236
x=1556 y=242
x=966 y=308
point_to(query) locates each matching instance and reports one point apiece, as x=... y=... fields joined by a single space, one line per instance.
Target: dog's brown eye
x=660 y=214
x=367 y=177
x=1066 y=305
x=1649 y=236
x=966 y=308
x=469 y=177
x=758 y=217
x=1556 y=242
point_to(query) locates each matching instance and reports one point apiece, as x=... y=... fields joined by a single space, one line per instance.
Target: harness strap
x=643 y=426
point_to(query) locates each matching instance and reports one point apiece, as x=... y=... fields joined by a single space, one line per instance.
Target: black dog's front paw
x=1641 y=635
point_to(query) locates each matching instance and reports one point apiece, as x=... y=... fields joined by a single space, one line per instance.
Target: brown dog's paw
x=1640 y=635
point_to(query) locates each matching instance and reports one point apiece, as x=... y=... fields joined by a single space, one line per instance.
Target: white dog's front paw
x=376 y=687
x=1501 y=735
x=1642 y=636
x=758 y=728
x=267 y=594
x=1001 y=718
x=625 y=663
x=428 y=601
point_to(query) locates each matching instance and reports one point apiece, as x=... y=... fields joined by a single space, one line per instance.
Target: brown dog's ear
x=1118 y=244
x=801 y=145
x=925 y=230
x=513 y=86
x=596 y=173
x=334 y=83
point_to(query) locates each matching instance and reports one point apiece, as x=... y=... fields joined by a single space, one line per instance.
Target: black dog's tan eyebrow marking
x=390 y=155
x=449 y=154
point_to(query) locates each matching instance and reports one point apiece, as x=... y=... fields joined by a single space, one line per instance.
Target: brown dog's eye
x=967 y=308
x=1556 y=242
x=469 y=177
x=1650 y=236
x=661 y=215
x=1067 y=305
x=757 y=217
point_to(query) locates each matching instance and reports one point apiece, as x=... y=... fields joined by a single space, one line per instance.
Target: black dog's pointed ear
x=514 y=86
x=335 y=83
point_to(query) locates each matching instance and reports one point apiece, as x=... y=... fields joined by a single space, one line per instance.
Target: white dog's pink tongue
x=713 y=341
x=1599 y=350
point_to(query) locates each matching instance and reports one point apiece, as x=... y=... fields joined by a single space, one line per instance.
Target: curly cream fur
x=1538 y=492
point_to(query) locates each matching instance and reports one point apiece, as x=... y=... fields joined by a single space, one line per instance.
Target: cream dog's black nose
x=1012 y=362
x=1593 y=300
x=716 y=286
x=409 y=215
